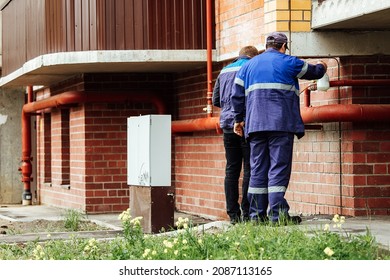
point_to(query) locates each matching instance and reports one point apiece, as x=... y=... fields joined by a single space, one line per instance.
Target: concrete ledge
x=347 y=14
x=51 y=68
x=338 y=43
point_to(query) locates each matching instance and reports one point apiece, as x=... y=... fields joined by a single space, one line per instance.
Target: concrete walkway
x=378 y=226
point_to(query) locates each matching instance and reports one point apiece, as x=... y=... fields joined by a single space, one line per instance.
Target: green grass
x=73 y=219
x=246 y=241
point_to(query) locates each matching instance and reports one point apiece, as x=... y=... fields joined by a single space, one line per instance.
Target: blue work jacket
x=223 y=91
x=266 y=92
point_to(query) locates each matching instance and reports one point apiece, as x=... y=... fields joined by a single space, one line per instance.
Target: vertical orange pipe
x=26 y=167
x=209 y=122
x=209 y=33
x=306 y=96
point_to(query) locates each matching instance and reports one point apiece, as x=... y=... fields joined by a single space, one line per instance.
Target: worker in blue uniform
x=265 y=104
x=236 y=149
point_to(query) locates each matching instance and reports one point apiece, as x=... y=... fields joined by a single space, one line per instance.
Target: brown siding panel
x=120 y=24
x=100 y=25
x=129 y=23
x=57 y=17
x=70 y=25
x=35 y=29
x=93 y=42
x=78 y=31
x=48 y=26
x=110 y=25
x=178 y=9
x=138 y=25
x=170 y=24
x=14 y=37
x=85 y=25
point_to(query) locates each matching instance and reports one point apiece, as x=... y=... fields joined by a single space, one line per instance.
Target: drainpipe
x=26 y=166
x=209 y=29
x=209 y=123
x=66 y=98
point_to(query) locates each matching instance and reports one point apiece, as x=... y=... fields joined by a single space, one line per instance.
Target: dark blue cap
x=278 y=38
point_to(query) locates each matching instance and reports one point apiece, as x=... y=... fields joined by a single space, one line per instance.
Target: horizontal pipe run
x=192 y=125
x=377 y=82
x=320 y=114
x=75 y=97
x=346 y=113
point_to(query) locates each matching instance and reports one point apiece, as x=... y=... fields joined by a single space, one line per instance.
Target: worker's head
x=277 y=41
x=250 y=51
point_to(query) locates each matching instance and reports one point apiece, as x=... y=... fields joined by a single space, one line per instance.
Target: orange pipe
x=346 y=113
x=209 y=33
x=210 y=122
x=325 y=113
x=26 y=166
x=75 y=97
x=376 y=82
x=192 y=125
x=306 y=97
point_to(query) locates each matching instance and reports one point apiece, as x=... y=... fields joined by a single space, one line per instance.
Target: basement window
x=65 y=149
x=47 y=148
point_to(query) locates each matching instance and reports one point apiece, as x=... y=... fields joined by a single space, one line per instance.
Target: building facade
x=89 y=65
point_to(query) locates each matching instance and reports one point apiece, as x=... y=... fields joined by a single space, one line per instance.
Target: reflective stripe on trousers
x=271 y=160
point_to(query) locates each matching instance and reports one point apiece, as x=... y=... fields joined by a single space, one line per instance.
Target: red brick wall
x=198 y=157
x=105 y=156
x=96 y=178
x=315 y=181
x=238 y=23
x=369 y=165
x=344 y=168
x=52 y=189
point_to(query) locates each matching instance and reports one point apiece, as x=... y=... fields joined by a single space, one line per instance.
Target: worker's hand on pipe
x=239 y=128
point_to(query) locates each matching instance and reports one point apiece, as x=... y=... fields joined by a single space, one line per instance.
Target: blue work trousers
x=237 y=156
x=271 y=160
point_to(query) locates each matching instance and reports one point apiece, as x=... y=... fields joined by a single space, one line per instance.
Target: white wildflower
x=328 y=251
x=326 y=227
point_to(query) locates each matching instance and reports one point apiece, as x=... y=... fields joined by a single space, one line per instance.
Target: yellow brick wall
x=278 y=13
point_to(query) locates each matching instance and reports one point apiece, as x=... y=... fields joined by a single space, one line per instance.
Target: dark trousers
x=237 y=154
x=271 y=160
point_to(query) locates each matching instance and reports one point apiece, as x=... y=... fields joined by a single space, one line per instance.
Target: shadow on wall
x=11 y=187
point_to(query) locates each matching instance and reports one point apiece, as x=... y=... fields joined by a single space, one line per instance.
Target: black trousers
x=237 y=154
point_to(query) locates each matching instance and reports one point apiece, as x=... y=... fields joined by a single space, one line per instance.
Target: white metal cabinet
x=149 y=150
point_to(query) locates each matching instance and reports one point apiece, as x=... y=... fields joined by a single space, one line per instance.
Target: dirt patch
x=45 y=226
